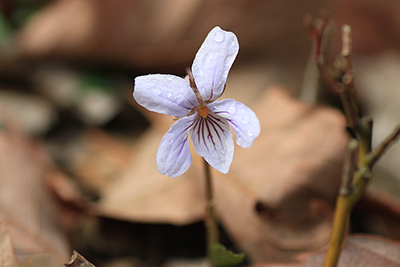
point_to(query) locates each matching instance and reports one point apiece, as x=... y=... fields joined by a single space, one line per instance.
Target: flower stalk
x=218 y=254
x=211 y=220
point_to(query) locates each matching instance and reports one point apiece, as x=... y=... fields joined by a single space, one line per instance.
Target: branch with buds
x=360 y=157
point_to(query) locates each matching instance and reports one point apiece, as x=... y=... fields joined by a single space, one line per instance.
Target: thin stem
x=349 y=105
x=355 y=189
x=342 y=215
x=312 y=83
x=377 y=152
x=349 y=167
x=344 y=206
x=365 y=138
x=356 y=176
x=346 y=41
x=211 y=221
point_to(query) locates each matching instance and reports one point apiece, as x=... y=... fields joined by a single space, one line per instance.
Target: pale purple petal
x=242 y=119
x=212 y=140
x=173 y=155
x=213 y=61
x=166 y=94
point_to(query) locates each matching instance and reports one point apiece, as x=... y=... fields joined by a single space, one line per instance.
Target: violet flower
x=193 y=100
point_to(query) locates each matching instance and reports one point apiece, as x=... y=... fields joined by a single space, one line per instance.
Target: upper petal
x=242 y=119
x=212 y=140
x=166 y=94
x=173 y=155
x=213 y=61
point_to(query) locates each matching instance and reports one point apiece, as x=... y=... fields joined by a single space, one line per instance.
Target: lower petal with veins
x=173 y=156
x=212 y=139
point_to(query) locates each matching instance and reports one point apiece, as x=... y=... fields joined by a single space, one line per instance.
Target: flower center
x=203 y=111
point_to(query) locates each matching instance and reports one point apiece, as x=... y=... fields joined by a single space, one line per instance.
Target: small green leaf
x=221 y=256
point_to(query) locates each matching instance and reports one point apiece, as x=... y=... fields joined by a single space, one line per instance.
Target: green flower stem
x=211 y=221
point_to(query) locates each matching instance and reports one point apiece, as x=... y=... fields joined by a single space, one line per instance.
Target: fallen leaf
x=358 y=251
x=378 y=213
x=77 y=260
x=141 y=194
x=26 y=207
x=7 y=256
x=159 y=34
x=98 y=158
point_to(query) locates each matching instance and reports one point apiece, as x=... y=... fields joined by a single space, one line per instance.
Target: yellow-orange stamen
x=203 y=111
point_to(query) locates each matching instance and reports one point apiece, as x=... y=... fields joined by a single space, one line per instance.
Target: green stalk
x=211 y=221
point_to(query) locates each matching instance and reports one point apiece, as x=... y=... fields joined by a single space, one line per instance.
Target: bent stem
x=211 y=221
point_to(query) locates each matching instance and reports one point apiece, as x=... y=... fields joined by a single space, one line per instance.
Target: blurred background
x=66 y=82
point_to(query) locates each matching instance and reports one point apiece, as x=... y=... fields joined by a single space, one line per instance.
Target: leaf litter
x=274 y=204
x=27 y=208
x=358 y=251
x=286 y=204
x=275 y=220
x=283 y=175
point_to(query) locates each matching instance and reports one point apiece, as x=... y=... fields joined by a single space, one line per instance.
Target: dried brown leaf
x=77 y=260
x=26 y=207
x=162 y=33
x=7 y=256
x=142 y=194
x=379 y=213
x=358 y=251
x=98 y=158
